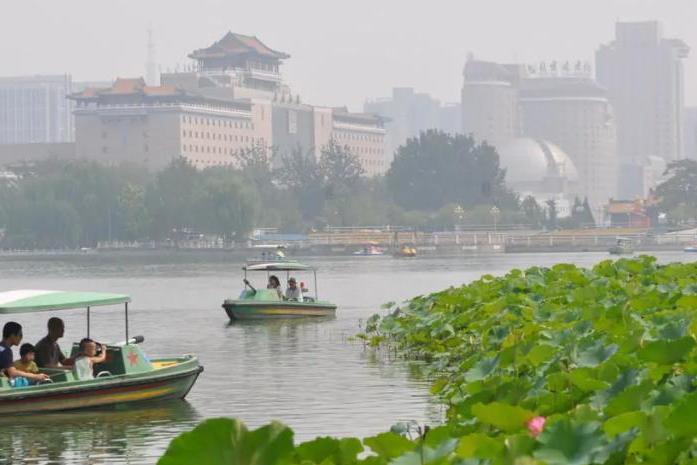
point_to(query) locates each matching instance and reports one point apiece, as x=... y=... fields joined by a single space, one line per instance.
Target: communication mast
x=151 y=75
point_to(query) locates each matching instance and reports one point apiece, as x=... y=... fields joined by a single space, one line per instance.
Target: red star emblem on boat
x=133 y=358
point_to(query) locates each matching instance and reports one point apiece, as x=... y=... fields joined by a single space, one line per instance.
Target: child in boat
x=275 y=283
x=84 y=362
x=26 y=362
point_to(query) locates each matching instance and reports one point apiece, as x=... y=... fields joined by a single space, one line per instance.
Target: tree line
x=436 y=180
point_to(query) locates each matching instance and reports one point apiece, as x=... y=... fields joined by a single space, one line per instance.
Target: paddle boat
x=623 y=246
x=126 y=376
x=405 y=251
x=369 y=251
x=270 y=253
x=261 y=303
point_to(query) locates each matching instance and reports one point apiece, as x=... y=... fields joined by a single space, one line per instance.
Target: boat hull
x=171 y=382
x=251 y=310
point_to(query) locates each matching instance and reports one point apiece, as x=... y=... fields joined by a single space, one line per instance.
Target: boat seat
x=59 y=376
x=114 y=363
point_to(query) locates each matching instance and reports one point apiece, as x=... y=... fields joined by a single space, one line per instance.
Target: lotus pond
x=559 y=365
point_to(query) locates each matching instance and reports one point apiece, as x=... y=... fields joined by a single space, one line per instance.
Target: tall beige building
x=643 y=72
x=556 y=103
x=152 y=125
x=573 y=112
x=242 y=68
x=490 y=102
x=361 y=134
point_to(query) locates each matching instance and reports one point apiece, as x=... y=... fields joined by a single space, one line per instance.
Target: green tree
x=436 y=168
x=678 y=193
x=534 y=213
x=134 y=212
x=170 y=198
x=226 y=204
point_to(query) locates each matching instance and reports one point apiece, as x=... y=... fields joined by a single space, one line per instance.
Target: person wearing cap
x=293 y=292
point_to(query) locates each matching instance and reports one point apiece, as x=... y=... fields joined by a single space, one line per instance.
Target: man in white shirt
x=293 y=292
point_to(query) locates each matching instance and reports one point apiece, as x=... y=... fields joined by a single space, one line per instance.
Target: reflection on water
x=304 y=373
x=94 y=436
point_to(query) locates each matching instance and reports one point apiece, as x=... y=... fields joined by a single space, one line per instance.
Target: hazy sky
x=342 y=52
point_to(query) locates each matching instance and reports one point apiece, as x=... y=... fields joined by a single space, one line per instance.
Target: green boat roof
x=277 y=266
x=31 y=300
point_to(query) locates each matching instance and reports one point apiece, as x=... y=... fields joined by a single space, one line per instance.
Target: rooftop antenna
x=150 y=65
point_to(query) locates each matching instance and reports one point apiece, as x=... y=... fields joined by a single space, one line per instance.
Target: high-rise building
x=557 y=103
x=34 y=109
x=407 y=113
x=573 y=112
x=490 y=101
x=643 y=73
x=690 y=133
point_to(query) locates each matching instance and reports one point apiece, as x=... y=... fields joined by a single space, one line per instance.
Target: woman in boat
x=84 y=362
x=275 y=283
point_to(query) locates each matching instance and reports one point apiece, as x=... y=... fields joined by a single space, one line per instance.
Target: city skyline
x=428 y=47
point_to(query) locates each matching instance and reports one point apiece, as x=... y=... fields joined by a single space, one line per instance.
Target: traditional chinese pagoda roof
x=135 y=89
x=237 y=44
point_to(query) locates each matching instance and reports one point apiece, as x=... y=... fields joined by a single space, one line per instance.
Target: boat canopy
x=277 y=266
x=30 y=300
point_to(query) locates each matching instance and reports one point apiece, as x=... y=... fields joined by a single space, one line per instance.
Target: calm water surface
x=303 y=373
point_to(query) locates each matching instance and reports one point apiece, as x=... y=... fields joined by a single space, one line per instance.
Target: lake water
x=306 y=374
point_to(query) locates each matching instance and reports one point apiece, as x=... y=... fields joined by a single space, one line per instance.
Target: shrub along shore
x=560 y=365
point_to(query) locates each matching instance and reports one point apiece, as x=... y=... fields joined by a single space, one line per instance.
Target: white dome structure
x=535 y=166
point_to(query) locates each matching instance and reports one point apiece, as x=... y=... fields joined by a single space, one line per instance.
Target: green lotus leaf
x=428 y=455
x=568 y=443
x=681 y=420
x=223 y=441
x=687 y=301
x=479 y=446
x=623 y=422
x=540 y=354
x=628 y=400
x=505 y=417
x=595 y=354
x=482 y=369
x=667 y=352
x=586 y=380
x=329 y=450
x=389 y=445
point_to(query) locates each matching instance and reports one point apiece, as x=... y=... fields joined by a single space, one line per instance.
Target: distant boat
x=369 y=251
x=690 y=248
x=623 y=246
x=405 y=251
x=257 y=304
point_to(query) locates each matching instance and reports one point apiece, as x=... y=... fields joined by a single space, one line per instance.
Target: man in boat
x=12 y=336
x=48 y=352
x=293 y=292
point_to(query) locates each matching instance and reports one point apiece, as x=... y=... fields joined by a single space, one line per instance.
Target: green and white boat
x=127 y=376
x=622 y=246
x=255 y=304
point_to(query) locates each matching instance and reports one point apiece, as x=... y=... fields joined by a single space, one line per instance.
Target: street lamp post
x=459 y=213
x=495 y=213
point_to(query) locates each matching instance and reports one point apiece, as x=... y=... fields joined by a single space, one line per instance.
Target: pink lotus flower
x=536 y=425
